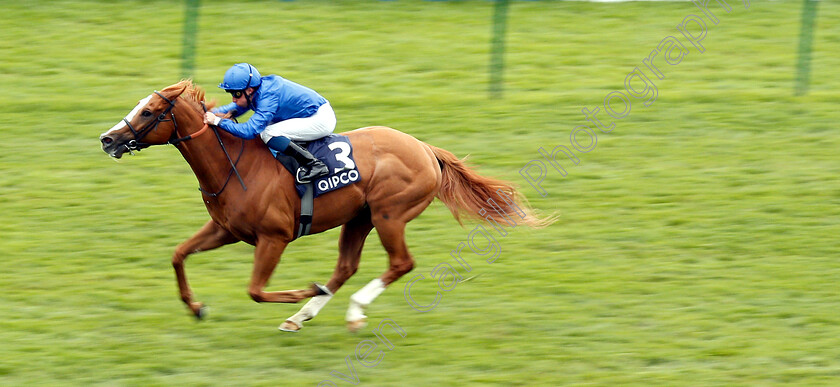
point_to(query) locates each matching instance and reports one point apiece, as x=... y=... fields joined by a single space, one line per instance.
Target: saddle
x=336 y=152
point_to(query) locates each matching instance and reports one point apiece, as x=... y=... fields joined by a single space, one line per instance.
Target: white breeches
x=318 y=125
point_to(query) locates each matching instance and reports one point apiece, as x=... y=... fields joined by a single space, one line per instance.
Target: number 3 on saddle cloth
x=337 y=153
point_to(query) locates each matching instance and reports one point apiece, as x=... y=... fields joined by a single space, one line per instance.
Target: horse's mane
x=191 y=92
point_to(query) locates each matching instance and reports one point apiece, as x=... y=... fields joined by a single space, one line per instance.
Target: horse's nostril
x=107 y=140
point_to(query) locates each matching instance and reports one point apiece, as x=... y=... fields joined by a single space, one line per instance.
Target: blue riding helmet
x=240 y=77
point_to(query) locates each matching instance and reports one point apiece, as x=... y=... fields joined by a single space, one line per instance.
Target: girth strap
x=306 y=210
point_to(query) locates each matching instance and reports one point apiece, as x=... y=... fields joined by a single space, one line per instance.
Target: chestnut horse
x=400 y=176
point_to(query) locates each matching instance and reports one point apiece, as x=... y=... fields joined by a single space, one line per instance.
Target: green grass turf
x=696 y=244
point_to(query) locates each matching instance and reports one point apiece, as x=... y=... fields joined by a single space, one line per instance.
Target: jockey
x=284 y=111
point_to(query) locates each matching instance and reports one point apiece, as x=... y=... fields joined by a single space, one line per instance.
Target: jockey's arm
x=262 y=117
x=231 y=108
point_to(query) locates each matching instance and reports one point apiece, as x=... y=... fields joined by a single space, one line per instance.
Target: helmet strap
x=248 y=84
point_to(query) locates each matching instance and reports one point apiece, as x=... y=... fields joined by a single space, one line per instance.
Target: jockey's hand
x=211 y=119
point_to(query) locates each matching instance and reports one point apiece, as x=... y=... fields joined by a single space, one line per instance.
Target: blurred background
x=696 y=244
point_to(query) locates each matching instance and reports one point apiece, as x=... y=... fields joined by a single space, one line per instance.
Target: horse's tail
x=465 y=191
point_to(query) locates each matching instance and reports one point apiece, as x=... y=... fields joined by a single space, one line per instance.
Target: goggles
x=236 y=93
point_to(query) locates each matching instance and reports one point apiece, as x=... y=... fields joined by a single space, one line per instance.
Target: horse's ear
x=176 y=90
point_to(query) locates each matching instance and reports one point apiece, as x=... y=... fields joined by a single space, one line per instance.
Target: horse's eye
x=146 y=113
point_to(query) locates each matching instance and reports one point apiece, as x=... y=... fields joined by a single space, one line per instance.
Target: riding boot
x=310 y=167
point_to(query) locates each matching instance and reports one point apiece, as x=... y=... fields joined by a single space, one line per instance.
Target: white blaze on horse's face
x=140 y=105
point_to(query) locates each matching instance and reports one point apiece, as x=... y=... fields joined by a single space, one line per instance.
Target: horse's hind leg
x=350 y=243
x=209 y=237
x=392 y=235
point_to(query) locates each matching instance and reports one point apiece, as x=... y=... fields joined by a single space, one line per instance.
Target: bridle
x=135 y=144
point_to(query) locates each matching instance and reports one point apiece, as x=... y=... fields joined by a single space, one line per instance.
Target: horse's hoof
x=321 y=290
x=288 y=326
x=355 y=326
x=201 y=313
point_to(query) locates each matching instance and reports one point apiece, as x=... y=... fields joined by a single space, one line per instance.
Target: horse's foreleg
x=209 y=237
x=266 y=256
x=350 y=244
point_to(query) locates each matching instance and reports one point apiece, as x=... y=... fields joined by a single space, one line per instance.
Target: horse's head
x=151 y=122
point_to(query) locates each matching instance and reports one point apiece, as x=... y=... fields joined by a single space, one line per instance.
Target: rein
x=175 y=140
x=233 y=164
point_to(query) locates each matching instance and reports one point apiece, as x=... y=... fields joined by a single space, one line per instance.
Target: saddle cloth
x=336 y=152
